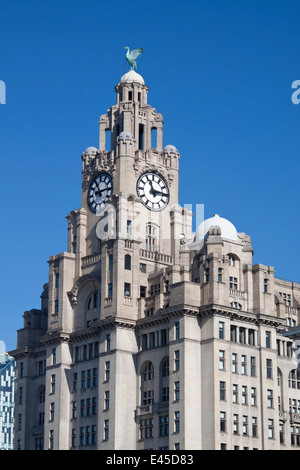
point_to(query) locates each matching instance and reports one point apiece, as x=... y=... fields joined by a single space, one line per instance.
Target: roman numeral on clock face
x=99 y=192
x=153 y=191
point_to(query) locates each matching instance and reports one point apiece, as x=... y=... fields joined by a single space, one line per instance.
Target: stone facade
x=150 y=336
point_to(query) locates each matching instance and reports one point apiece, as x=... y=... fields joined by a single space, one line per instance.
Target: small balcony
x=238 y=294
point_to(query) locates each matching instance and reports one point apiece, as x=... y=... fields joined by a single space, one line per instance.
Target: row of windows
x=158 y=338
x=146 y=426
x=245 y=395
x=243 y=366
x=248 y=336
x=294 y=431
x=244 y=425
x=148 y=395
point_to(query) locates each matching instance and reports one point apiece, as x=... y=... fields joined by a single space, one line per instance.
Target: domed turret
x=131 y=77
x=226 y=229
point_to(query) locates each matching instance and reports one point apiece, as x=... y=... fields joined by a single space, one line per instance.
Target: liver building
x=151 y=336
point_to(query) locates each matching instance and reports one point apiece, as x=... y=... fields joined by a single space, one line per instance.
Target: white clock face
x=153 y=191
x=100 y=190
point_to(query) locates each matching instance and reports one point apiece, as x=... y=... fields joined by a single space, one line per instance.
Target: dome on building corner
x=125 y=135
x=131 y=77
x=91 y=150
x=170 y=149
x=227 y=229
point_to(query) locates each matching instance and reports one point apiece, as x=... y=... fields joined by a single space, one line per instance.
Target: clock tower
x=130 y=224
x=123 y=256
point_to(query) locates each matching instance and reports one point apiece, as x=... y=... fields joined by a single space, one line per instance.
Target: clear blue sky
x=220 y=72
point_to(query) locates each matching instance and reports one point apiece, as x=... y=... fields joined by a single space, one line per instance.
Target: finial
x=132 y=56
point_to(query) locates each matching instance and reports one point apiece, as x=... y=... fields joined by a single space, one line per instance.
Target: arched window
x=235 y=305
x=147 y=384
x=127 y=262
x=294 y=379
x=93 y=301
x=233 y=259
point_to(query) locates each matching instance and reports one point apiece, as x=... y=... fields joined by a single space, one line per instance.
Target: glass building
x=7 y=388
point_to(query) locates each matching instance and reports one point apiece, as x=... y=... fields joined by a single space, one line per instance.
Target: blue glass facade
x=7 y=390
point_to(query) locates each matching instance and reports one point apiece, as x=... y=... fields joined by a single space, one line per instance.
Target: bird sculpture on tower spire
x=131 y=56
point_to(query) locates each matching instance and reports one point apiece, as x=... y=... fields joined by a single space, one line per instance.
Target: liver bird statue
x=132 y=56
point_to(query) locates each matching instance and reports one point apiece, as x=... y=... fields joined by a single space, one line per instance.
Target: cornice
x=242 y=316
x=55 y=337
x=25 y=353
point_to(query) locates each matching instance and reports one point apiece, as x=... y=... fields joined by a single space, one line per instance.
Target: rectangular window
x=52 y=384
x=148 y=396
x=94 y=434
x=73 y=438
x=269 y=368
x=268 y=339
x=245 y=425
x=89 y=378
x=143 y=268
x=235 y=424
x=234 y=393
x=74 y=409
x=94 y=405
x=53 y=356
x=56 y=306
x=244 y=365
x=57 y=280
x=253 y=396
x=164 y=425
x=176 y=391
x=266 y=285
x=254 y=427
x=82 y=408
x=177 y=330
x=107 y=342
x=253 y=366
x=176 y=360
x=52 y=410
x=146 y=428
x=51 y=439
x=222 y=421
x=83 y=379
x=233 y=282
x=95 y=377
x=233 y=333
x=177 y=421
x=270 y=428
x=129 y=227
x=221 y=360
x=234 y=363
x=110 y=289
x=107 y=371
x=270 y=398
x=127 y=289
x=143 y=291
x=106 y=400
x=244 y=395
x=221 y=330
x=106 y=429
x=222 y=391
